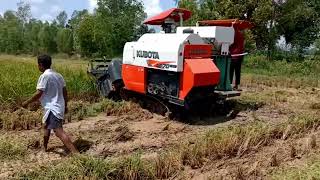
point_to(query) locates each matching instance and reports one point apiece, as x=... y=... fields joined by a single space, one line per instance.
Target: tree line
x=115 y=22
x=298 y=22
x=102 y=33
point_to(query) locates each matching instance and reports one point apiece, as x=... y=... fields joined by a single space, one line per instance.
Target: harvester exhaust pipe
x=181 y=19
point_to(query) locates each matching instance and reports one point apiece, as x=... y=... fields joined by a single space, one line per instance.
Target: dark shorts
x=53 y=122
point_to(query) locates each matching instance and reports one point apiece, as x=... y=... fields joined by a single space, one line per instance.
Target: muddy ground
x=110 y=137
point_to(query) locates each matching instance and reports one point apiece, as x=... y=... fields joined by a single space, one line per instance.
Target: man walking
x=237 y=55
x=52 y=93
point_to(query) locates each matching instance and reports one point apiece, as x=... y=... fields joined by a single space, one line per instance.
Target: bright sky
x=49 y=9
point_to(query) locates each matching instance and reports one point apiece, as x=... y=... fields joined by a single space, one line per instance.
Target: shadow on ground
x=215 y=113
x=81 y=144
x=210 y=111
x=206 y=113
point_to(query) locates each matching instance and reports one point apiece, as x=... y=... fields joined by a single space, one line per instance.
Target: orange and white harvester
x=180 y=65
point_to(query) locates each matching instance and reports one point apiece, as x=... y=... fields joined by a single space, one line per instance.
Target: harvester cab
x=180 y=65
x=170 y=19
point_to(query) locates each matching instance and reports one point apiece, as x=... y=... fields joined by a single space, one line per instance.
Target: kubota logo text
x=148 y=54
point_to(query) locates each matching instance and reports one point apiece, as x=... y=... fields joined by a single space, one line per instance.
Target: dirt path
x=107 y=136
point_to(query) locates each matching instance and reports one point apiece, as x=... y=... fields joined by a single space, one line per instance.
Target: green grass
x=258 y=69
x=311 y=170
x=11 y=149
x=261 y=65
x=18 y=77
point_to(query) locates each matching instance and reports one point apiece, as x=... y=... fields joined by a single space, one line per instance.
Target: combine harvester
x=184 y=66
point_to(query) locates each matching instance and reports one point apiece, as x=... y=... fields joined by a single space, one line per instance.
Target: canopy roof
x=171 y=13
x=236 y=23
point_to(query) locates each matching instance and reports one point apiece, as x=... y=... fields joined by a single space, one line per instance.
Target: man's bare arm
x=36 y=96
x=65 y=96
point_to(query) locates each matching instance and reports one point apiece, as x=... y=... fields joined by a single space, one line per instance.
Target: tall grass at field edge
x=18 y=80
x=260 y=65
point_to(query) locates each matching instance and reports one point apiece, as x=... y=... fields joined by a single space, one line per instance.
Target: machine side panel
x=198 y=73
x=221 y=34
x=128 y=53
x=160 y=51
x=134 y=78
x=186 y=82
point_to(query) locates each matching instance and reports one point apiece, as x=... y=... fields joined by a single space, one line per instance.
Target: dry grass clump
x=309 y=171
x=301 y=123
x=11 y=149
x=315 y=106
x=237 y=140
x=133 y=111
x=78 y=110
x=85 y=167
x=21 y=119
x=123 y=134
x=239 y=174
x=226 y=143
x=167 y=164
x=134 y=168
x=78 y=167
x=24 y=119
x=127 y=168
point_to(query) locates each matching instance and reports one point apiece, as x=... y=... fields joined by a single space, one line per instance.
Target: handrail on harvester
x=236 y=23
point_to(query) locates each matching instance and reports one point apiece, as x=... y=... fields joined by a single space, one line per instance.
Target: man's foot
x=236 y=88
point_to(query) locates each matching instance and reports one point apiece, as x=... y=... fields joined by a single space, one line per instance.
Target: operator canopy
x=173 y=14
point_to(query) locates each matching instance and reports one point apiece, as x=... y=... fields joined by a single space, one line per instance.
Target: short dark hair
x=45 y=61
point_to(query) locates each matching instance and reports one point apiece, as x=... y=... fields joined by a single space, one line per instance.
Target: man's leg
x=238 y=71
x=232 y=66
x=46 y=137
x=66 y=140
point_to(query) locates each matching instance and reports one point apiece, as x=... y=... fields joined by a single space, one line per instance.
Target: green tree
x=24 y=12
x=118 y=21
x=65 y=40
x=85 y=34
x=47 y=38
x=73 y=24
x=62 y=19
x=299 y=22
x=262 y=13
x=317 y=47
x=193 y=6
x=12 y=31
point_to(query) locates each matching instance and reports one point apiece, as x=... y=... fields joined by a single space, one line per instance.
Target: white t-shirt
x=52 y=100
